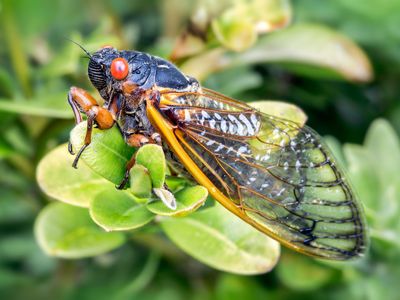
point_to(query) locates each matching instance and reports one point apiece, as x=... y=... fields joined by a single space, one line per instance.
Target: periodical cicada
x=271 y=172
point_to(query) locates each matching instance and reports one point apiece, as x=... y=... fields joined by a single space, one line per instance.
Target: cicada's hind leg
x=82 y=102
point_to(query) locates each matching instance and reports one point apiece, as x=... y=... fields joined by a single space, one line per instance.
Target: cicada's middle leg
x=82 y=102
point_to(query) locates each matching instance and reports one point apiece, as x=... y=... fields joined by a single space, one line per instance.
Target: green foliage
x=219 y=239
x=113 y=210
x=235 y=47
x=374 y=169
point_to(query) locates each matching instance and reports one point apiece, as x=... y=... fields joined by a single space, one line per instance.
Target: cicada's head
x=111 y=71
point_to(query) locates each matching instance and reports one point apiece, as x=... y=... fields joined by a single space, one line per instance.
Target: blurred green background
x=316 y=63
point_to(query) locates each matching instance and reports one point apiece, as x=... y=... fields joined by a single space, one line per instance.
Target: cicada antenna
x=80 y=46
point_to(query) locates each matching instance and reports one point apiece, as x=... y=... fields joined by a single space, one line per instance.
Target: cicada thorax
x=132 y=118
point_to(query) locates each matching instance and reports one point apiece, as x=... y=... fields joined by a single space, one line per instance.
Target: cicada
x=273 y=173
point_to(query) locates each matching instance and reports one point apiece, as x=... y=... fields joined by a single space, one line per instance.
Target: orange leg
x=82 y=102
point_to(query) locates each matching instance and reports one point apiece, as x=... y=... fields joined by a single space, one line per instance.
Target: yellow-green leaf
x=67 y=231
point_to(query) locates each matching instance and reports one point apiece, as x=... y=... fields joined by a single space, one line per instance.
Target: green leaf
x=312 y=45
x=282 y=110
x=221 y=240
x=117 y=210
x=107 y=154
x=208 y=62
x=188 y=200
x=363 y=174
x=140 y=182
x=374 y=170
x=59 y=180
x=336 y=148
x=303 y=273
x=152 y=157
x=69 y=232
x=50 y=106
x=383 y=146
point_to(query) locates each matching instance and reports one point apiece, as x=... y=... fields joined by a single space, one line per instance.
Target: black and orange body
x=273 y=173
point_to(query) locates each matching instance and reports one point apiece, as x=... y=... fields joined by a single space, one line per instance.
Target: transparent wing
x=277 y=173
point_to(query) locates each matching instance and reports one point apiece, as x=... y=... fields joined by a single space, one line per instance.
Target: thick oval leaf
x=140 y=181
x=312 y=45
x=383 y=146
x=206 y=63
x=59 y=180
x=117 y=210
x=152 y=157
x=364 y=175
x=66 y=231
x=374 y=169
x=282 y=110
x=188 y=200
x=221 y=240
x=107 y=154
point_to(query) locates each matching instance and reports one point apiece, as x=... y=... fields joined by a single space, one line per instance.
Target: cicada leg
x=137 y=140
x=82 y=102
x=129 y=166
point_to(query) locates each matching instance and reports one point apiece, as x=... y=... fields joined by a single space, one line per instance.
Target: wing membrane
x=277 y=173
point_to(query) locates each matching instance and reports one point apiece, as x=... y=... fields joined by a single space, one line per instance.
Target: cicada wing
x=278 y=174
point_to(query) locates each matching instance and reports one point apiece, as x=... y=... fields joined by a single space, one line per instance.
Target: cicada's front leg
x=82 y=102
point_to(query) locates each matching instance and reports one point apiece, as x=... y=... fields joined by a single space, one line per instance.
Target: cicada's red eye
x=119 y=68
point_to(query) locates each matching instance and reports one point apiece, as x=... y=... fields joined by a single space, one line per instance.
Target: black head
x=109 y=68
